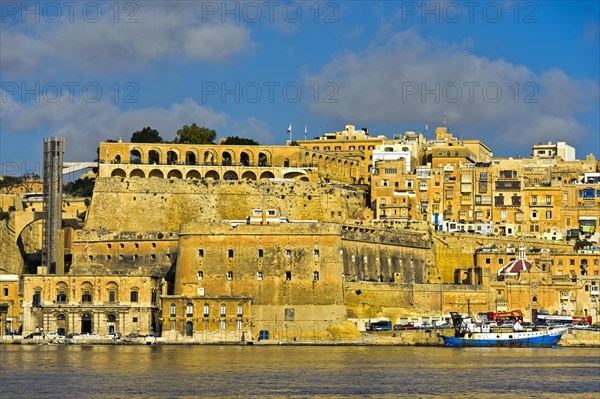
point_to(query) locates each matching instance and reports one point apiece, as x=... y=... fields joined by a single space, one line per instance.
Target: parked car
x=72 y=335
x=132 y=335
x=34 y=334
x=114 y=335
x=384 y=325
x=408 y=326
x=54 y=335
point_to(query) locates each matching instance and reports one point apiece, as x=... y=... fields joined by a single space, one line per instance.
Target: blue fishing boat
x=470 y=335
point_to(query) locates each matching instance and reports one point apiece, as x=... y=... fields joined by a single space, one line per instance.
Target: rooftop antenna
x=445 y=118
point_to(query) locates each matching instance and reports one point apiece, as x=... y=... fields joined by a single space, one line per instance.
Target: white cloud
x=412 y=80
x=84 y=124
x=162 y=30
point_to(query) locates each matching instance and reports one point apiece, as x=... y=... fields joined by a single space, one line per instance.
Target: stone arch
x=226 y=158
x=264 y=158
x=172 y=157
x=304 y=178
x=293 y=175
x=154 y=157
x=117 y=159
x=191 y=157
x=135 y=156
x=175 y=174
x=266 y=175
x=313 y=160
x=86 y=323
x=248 y=175
x=156 y=173
x=230 y=175
x=246 y=158
x=212 y=174
x=210 y=157
x=137 y=173
x=118 y=173
x=193 y=174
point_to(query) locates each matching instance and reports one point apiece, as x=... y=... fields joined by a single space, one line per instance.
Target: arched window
x=190 y=158
x=227 y=159
x=245 y=159
x=86 y=292
x=111 y=318
x=135 y=157
x=173 y=310
x=61 y=316
x=61 y=292
x=171 y=157
x=153 y=157
x=206 y=310
x=189 y=310
x=223 y=310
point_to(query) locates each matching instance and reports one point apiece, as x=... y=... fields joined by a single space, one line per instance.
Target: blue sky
x=510 y=73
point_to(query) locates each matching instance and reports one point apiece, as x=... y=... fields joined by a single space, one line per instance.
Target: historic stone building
x=99 y=303
x=228 y=243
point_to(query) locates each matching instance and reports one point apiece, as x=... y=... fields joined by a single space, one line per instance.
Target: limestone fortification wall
x=456 y=250
x=134 y=204
x=394 y=301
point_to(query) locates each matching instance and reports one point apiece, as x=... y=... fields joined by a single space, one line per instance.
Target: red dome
x=515 y=267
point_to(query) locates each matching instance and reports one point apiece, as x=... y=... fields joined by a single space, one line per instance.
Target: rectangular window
x=200 y=252
x=5 y=291
x=316 y=253
x=112 y=296
x=288 y=276
x=86 y=296
x=259 y=276
x=315 y=276
x=200 y=275
x=239 y=325
x=229 y=275
x=134 y=296
x=548 y=200
x=230 y=253
x=288 y=253
x=289 y=314
x=222 y=324
x=548 y=214
x=135 y=319
x=261 y=253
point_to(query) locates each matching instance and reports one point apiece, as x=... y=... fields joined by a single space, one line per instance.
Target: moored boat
x=468 y=335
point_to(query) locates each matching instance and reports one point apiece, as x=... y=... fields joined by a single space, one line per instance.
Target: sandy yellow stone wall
x=457 y=250
x=393 y=301
x=139 y=205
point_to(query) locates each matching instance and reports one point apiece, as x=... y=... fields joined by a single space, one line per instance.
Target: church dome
x=521 y=264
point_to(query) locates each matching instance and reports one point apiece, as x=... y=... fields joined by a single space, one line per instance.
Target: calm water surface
x=297 y=372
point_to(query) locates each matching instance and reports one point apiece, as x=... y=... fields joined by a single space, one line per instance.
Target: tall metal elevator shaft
x=52 y=237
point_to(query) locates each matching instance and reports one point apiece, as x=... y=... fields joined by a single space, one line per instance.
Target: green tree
x=146 y=135
x=80 y=187
x=235 y=140
x=195 y=135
